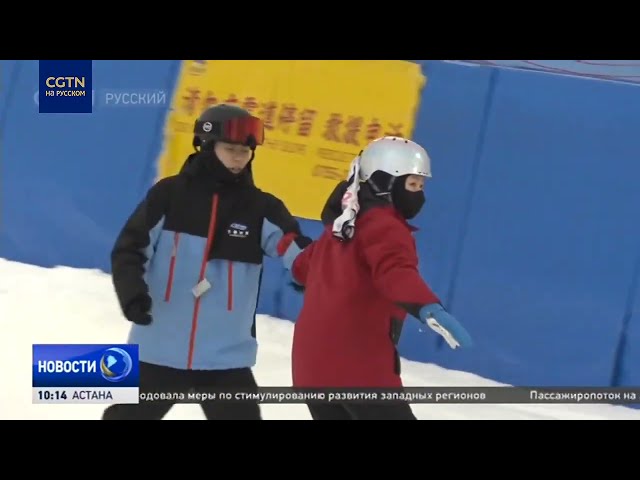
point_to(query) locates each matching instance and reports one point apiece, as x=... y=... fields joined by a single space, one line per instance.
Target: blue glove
x=444 y=324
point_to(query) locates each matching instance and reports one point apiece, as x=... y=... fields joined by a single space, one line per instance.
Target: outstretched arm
x=391 y=254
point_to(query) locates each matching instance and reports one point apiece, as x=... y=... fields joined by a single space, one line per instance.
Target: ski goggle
x=243 y=130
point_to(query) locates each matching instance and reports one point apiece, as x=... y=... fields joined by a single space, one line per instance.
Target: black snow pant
x=155 y=378
x=361 y=411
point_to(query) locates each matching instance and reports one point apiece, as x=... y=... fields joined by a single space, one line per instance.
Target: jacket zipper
x=172 y=266
x=203 y=271
x=230 y=287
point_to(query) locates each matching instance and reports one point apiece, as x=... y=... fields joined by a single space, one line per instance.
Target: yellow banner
x=318 y=115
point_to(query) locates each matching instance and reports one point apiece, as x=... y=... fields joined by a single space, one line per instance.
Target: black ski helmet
x=207 y=129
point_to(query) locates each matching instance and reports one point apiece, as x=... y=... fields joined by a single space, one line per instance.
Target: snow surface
x=67 y=305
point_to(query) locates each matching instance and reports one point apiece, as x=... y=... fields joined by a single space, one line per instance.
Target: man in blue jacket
x=187 y=268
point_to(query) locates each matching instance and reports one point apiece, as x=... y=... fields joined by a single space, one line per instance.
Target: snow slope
x=65 y=305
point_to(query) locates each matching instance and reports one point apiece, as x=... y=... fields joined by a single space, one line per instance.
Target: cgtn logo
x=66 y=87
x=85 y=374
x=36 y=98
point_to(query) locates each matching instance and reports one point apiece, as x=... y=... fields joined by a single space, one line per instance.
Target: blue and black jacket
x=194 y=226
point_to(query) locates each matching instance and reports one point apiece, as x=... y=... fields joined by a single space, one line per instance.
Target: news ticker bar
x=459 y=395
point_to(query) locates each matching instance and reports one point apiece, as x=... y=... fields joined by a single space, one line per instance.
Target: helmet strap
x=382 y=192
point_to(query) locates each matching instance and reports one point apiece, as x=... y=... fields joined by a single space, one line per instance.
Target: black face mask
x=219 y=171
x=408 y=203
x=210 y=164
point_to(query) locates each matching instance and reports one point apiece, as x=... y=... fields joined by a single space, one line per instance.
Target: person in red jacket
x=361 y=278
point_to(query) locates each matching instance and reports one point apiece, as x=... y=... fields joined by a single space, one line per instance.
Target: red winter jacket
x=347 y=330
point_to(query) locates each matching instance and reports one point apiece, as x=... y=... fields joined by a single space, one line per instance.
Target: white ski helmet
x=396 y=156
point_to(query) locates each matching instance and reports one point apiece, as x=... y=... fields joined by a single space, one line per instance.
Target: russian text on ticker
x=488 y=395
